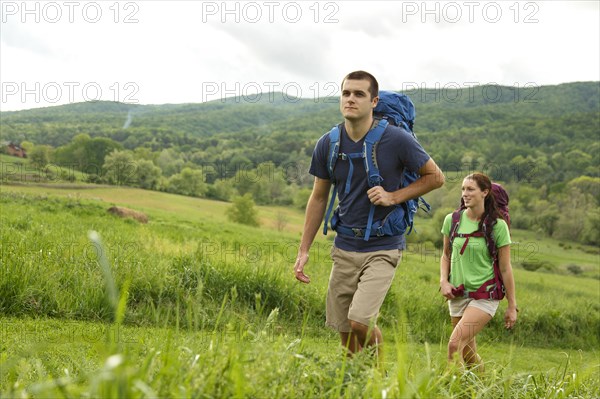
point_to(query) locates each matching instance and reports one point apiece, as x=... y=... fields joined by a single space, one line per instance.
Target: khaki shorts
x=457 y=306
x=358 y=284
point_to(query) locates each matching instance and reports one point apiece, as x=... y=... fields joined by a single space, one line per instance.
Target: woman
x=470 y=265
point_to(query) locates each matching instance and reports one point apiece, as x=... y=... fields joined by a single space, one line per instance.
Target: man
x=362 y=270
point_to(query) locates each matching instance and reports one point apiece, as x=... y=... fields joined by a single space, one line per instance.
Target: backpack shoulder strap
x=496 y=282
x=455 y=222
x=488 y=234
x=332 y=157
x=371 y=167
x=334 y=149
x=370 y=153
x=454 y=230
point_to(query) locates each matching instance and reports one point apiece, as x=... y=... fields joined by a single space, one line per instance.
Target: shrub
x=243 y=211
x=575 y=269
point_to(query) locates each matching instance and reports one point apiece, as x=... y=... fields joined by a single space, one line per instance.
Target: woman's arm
x=510 y=317
x=445 y=286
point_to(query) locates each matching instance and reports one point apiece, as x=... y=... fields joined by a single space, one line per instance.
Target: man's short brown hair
x=363 y=75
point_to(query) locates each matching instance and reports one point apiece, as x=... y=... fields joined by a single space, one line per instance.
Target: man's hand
x=510 y=317
x=378 y=196
x=301 y=260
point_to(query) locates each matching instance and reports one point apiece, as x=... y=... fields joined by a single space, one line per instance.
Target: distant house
x=14 y=149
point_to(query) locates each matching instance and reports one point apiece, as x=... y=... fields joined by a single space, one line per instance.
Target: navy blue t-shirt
x=397 y=150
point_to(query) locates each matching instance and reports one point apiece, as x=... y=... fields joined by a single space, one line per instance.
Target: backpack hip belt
x=482 y=293
x=360 y=232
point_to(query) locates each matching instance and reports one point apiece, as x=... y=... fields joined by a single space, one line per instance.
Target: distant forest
x=543 y=143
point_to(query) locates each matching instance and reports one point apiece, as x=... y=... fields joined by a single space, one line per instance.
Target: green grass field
x=206 y=308
x=19 y=170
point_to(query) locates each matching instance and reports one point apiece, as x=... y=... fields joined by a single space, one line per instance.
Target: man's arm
x=315 y=210
x=431 y=179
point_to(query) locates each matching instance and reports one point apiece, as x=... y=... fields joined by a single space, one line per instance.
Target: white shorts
x=457 y=306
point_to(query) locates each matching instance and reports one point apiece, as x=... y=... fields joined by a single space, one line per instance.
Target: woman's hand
x=446 y=289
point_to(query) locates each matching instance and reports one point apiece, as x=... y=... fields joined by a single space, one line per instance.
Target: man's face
x=356 y=102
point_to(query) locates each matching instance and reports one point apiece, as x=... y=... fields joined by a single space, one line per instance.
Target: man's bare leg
x=369 y=337
x=350 y=341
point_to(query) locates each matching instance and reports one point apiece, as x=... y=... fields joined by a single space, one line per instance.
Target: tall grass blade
x=111 y=288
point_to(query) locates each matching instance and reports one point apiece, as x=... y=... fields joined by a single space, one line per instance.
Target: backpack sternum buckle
x=358 y=232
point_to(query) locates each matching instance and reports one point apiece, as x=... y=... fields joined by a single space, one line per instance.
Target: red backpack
x=493 y=288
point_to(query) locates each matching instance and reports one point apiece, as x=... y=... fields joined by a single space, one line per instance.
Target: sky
x=157 y=52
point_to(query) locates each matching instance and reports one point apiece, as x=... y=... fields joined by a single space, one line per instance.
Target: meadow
x=191 y=305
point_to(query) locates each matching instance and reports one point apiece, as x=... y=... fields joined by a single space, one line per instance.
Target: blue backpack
x=398 y=110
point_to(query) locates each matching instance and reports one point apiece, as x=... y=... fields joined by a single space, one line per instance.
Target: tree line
x=546 y=150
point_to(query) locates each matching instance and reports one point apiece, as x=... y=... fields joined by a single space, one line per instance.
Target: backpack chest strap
x=350 y=158
x=467 y=236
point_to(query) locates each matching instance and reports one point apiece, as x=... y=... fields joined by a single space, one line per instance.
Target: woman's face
x=472 y=195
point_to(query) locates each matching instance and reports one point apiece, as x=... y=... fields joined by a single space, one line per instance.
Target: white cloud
x=191 y=51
